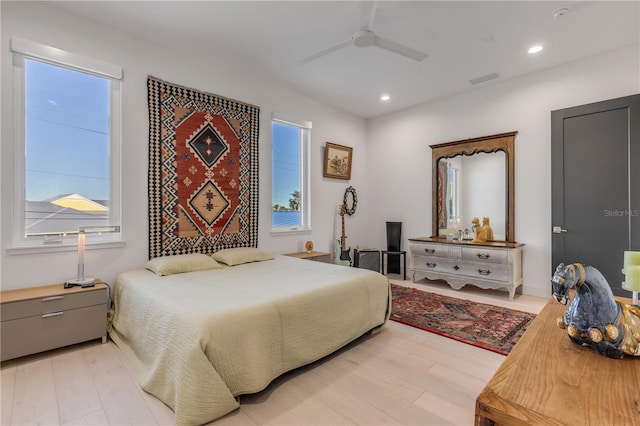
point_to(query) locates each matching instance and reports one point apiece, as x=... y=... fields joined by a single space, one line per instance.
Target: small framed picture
x=337 y=161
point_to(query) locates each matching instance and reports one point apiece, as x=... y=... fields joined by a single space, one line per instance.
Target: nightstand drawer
x=52 y=303
x=35 y=334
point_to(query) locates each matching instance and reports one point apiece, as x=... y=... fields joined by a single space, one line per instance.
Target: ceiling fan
x=365 y=37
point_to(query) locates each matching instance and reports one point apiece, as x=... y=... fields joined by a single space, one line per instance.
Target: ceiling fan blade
x=367 y=14
x=372 y=17
x=324 y=52
x=400 y=49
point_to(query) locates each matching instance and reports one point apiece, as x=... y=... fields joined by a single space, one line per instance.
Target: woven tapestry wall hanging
x=203 y=171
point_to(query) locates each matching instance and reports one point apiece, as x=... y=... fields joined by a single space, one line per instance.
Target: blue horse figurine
x=595 y=318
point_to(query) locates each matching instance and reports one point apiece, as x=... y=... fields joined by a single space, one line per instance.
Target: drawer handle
x=431 y=265
x=456 y=267
x=52 y=314
x=484 y=271
x=483 y=256
x=49 y=299
x=430 y=250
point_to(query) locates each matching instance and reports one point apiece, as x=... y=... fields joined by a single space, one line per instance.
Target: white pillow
x=240 y=255
x=177 y=264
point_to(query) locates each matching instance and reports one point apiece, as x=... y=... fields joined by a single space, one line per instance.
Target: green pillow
x=240 y=255
x=168 y=265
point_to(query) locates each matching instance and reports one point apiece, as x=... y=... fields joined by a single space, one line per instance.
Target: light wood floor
x=401 y=375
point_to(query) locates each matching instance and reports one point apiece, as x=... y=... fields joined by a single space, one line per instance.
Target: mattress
x=197 y=340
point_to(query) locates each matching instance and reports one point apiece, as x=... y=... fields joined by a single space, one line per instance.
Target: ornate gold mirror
x=474 y=178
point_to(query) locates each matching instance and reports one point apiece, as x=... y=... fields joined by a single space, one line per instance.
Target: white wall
x=403 y=183
x=48 y=25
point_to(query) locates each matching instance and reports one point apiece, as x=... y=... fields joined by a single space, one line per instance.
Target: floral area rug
x=486 y=326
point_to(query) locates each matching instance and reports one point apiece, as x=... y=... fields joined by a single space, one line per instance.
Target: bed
x=197 y=340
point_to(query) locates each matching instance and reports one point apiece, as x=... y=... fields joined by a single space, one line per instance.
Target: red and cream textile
x=203 y=171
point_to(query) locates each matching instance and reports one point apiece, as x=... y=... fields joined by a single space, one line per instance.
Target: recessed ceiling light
x=385 y=97
x=535 y=49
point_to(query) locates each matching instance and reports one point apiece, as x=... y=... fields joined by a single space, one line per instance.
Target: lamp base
x=87 y=282
x=634 y=292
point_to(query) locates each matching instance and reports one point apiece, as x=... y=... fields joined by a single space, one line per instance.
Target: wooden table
x=318 y=256
x=547 y=379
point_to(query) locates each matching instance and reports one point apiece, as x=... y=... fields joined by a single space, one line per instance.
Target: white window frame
x=305 y=180
x=22 y=49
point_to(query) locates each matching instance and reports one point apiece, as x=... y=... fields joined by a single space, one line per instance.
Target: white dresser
x=490 y=265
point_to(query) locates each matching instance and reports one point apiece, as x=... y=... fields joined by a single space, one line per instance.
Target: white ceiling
x=464 y=40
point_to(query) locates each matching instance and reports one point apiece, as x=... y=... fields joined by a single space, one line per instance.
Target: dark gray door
x=595 y=185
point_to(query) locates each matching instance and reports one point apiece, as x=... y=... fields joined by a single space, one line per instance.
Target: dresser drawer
x=39 y=333
x=53 y=303
x=425 y=249
x=436 y=264
x=480 y=254
x=487 y=271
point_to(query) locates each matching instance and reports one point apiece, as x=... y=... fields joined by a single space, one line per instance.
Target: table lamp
x=81 y=280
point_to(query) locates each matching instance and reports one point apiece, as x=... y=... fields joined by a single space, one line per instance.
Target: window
x=67 y=144
x=290 y=210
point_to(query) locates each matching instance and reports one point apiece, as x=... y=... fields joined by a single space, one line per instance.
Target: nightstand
x=38 y=319
x=318 y=256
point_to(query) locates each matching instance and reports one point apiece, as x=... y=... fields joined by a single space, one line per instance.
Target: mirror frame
x=350 y=192
x=492 y=143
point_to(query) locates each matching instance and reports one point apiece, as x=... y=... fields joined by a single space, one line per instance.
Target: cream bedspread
x=198 y=339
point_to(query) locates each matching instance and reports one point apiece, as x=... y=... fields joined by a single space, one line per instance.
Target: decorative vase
x=309 y=246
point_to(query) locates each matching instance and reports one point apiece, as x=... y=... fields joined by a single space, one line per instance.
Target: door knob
x=558 y=230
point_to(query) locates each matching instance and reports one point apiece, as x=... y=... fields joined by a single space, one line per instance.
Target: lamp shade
x=632 y=278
